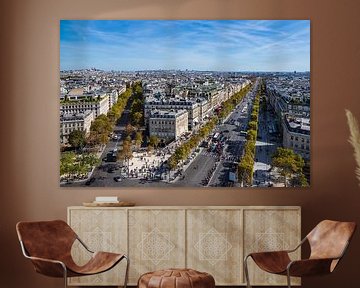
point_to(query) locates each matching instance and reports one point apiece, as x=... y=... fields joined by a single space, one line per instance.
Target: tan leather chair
x=48 y=245
x=328 y=242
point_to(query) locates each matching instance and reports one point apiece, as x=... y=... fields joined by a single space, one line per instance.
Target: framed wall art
x=175 y=103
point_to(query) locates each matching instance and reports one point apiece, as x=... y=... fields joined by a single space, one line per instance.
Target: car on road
x=243 y=133
x=111 y=170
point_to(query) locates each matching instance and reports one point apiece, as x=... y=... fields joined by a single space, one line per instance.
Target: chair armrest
x=268 y=253
x=48 y=267
x=309 y=267
x=281 y=251
x=84 y=245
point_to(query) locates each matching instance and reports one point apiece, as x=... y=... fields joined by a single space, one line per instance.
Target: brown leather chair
x=328 y=242
x=48 y=245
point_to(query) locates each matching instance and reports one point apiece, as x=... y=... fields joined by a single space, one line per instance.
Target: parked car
x=111 y=170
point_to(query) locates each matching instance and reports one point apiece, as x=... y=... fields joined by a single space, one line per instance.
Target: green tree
x=251 y=135
x=89 y=160
x=172 y=163
x=154 y=141
x=126 y=153
x=129 y=129
x=254 y=116
x=137 y=118
x=288 y=162
x=150 y=148
x=299 y=180
x=112 y=115
x=77 y=139
x=245 y=170
x=138 y=89
x=138 y=139
x=137 y=105
x=101 y=127
x=253 y=125
x=67 y=160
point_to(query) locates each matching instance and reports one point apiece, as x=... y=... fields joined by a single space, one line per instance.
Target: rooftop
x=167 y=113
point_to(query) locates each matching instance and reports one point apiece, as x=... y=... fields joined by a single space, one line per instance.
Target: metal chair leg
x=288 y=278
x=65 y=275
x=246 y=270
x=126 y=271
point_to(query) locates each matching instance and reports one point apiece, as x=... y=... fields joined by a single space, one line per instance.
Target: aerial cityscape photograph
x=184 y=103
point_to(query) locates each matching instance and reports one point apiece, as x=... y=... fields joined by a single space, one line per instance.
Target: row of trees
x=289 y=164
x=184 y=150
x=133 y=134
x=229 y=105
x=137 y=106
x=103 y=125
x=246 y=164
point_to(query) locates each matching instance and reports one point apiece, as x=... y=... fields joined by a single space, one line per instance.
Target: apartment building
x=192 y=107
x=98 y=104
x=77 y=121
x=168 y=125
x=296 y=135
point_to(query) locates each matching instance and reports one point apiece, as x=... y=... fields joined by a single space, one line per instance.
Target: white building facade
x=71 y=122
x=99 y=105
x=296 y=135
x=168 y=125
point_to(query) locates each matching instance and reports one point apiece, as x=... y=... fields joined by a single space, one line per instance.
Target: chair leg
x=126 y=271
x=246 y=270
x=288 y=278
x=65 y=276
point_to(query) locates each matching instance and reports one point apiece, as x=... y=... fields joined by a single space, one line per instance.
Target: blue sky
x=221 y=45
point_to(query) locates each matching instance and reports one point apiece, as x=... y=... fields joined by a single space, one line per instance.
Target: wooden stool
x=176 y=278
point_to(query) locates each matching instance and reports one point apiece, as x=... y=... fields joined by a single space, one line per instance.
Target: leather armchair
x=328 y=243
x=48 y=245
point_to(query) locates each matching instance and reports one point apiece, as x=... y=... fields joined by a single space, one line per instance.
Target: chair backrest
x=46 y=239
x=329 y=239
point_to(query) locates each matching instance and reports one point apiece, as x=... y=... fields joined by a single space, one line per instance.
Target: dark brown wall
x=29 y=119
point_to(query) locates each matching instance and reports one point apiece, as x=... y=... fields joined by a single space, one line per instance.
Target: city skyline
x=200 y=45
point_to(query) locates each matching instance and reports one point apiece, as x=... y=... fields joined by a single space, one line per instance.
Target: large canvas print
x=175 y=103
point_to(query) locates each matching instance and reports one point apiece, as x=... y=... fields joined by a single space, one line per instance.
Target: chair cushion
x=99 y=262
x=176 y=278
